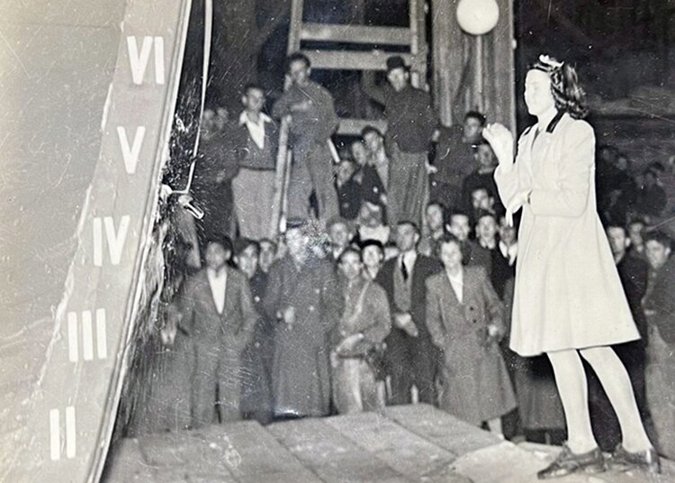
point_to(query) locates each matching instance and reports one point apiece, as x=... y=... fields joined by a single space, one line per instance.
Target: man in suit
x=410 y=359
x=215 y=310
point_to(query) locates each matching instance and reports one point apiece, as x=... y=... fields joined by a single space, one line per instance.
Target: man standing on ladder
x=411 y=123
x=312 y=121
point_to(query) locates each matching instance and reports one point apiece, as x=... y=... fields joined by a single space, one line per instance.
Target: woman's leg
x=571 y=381
x=495 y=426
x=616 y=383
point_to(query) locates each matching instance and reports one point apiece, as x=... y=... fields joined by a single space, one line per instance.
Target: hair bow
x=547 y=60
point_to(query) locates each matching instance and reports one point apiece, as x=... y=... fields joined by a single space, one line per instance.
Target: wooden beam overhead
x=345 y=60
x=357 y=34
x=353 y=127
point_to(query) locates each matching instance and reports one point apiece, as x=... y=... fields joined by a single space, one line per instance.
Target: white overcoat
x=568 y=293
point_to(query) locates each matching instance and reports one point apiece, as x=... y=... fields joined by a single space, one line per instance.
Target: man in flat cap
x=411 y=123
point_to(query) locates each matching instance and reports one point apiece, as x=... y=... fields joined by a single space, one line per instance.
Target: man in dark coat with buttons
x=302 y=295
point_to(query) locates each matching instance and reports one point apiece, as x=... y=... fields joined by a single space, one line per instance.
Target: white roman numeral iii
x=139 y=60
x=115 y=238
x=83 y=330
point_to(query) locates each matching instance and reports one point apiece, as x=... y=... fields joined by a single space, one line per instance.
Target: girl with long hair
x=568 y=302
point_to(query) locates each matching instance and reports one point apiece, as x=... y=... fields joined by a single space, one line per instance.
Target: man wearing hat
x=411 y=123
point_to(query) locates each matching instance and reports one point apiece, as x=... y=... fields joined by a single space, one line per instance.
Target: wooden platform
x=405 y=444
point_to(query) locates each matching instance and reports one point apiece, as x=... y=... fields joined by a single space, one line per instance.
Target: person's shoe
x=567 y=463
x=622 y=460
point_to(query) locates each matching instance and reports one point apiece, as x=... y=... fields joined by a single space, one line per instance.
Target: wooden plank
x=353 y=127
x=330 y=454
x=442 y=45
x=441 y=428
x=504 y=75
x=357 y=34
x=252 y=452
x=343 y=60
x=404 y=451
x=295 y=26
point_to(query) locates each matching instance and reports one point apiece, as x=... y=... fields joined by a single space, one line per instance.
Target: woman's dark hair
x=450 y=238
x=350 y=249
x=223 y=240
x=372 y=243
x=476 y=115
x=568 y=94
x=659 y=237
x=371 y=129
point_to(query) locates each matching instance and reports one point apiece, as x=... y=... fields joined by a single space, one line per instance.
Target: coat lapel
x=231 y=291
x=448 y=293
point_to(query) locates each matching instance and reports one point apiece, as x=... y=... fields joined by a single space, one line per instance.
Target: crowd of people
x=394 y=280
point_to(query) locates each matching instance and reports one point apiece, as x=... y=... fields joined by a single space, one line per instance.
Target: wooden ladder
x=387 y=40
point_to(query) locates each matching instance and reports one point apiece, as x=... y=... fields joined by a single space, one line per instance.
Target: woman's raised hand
x=501 y=141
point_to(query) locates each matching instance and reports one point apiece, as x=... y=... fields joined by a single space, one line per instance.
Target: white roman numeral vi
x=139 y=60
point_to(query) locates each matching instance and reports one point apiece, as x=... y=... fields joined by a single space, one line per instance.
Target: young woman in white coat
x=568 y=299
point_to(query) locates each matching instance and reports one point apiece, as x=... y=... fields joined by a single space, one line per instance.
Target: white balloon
x=477 y=17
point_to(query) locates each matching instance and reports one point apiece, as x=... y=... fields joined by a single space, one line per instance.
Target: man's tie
x=404 y=270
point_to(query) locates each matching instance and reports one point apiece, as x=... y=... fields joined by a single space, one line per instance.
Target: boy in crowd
x=659 y=305
x=435 y=219
x=268 y=253
x=363 y=326
x=313 y=121
x=372 y=253
x=652 y=198
x=358 y=152
x=460 y=226
x=455 y=159
x=253 y=186
x=375 y=174
x=482 y=199
x=348 y=189
x=217 y=164
x=371 y=223
x=482 y=176
x=636 y=230
x=256 y=378
x=339 y=236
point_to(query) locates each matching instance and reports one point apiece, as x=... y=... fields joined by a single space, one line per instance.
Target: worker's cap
x=395 y=62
